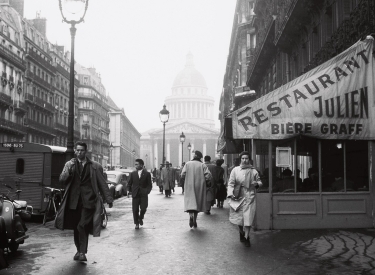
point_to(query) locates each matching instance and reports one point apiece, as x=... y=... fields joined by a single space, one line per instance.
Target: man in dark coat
x=140 y=182
x=81 y=206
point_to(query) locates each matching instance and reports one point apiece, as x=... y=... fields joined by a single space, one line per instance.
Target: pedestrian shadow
x=77 y=268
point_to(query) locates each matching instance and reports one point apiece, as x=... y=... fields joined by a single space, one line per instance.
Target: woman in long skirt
x=243 y=182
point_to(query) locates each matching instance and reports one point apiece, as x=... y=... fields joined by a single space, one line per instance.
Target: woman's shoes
x=247 y=242
x=242 y=238
x=191 y=222
x=195 y=224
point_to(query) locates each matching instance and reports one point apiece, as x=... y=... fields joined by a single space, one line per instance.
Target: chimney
x=18 y=5
x=41 y=25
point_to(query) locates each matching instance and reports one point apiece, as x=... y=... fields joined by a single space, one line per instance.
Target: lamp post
x=110 y=153
x=182 y=139
x=164 y=116
x=189 y=148
x=72 y=12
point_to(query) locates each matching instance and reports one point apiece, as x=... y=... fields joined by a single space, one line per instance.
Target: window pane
x=262 y=163
x=307 y=165
x=282 y=178
x=332 y=165
x=357 y=175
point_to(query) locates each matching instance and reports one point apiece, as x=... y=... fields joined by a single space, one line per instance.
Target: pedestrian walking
x=81 y=206
x=218 y=178
x=182 y=180
x=173 y=170
x=196 y=175
x=167 y=178
x=158 y=179
x=141 y=185
x=211 y=190
x=243 y=182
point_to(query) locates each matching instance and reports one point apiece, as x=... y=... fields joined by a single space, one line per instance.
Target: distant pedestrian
x=211 y=190
x=167 y=178
x=141 y=185
x=243 y=181
x=182 y=180
x=196 y=175
x=218 y=178
x=81 y=206
x=173 y=184
x=158 y=179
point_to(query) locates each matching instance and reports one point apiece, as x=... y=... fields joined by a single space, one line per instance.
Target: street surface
x=166 y=245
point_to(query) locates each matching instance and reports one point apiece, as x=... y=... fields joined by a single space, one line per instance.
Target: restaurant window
x=282 y=177
x=307 y=166
x=356 y=165
x=262 y=163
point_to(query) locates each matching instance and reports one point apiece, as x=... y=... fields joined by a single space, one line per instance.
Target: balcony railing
x=5 y=99
x=11 y=56
x=11 y=126
x=40 y=60
x=38 y=80
x=61 y=127
x=40 y=102
x=20 y=107
x=41 y=127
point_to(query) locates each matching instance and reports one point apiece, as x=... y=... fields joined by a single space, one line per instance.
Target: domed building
x=191 y=111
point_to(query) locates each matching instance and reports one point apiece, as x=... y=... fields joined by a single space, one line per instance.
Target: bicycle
x=54 y=200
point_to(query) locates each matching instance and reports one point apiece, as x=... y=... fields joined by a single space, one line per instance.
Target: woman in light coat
x=195 y=174
x=245 y=180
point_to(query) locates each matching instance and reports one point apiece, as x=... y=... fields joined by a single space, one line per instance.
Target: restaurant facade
x=305 y=111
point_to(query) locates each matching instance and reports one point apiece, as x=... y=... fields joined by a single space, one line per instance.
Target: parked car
x=119 y=180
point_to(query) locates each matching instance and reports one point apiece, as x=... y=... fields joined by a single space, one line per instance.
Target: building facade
x=124 y=138
x=93 y=114
x=288 y=43
x=13 y=108
x=191 y=112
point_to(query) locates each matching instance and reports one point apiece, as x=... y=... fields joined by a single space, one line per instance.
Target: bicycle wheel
x=46 y=212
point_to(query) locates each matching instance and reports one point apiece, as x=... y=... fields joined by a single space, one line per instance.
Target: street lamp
x=72 y=12
x=189 y=148
x=164 y=116
x=182 y=139
x=110 y=153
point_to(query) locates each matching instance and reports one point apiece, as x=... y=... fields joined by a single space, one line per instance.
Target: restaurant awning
x=332 y=101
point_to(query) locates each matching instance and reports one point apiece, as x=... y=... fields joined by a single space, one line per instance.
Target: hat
x=198 y=154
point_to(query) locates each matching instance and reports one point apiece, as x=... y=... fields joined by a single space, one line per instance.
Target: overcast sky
x=139 y=46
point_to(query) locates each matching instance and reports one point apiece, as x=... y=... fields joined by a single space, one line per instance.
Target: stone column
x=156 y=154
x=191 y=109
x=186 y=110
x=168 y=155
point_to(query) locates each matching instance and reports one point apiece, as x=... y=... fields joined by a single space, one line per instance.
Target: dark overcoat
x=98 y=185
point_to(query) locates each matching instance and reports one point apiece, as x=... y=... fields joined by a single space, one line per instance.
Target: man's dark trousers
x=81 y=231
x=139 y=203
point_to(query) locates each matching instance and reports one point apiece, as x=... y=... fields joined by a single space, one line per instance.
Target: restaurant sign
x=333 y=101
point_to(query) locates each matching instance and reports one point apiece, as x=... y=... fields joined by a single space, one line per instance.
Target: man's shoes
x=247 y=242
x=208 y=212
x=191 y=222
x=137 y=226
x=242 y=238
x=82 y=257
x=140 y=221
x=76 y=256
